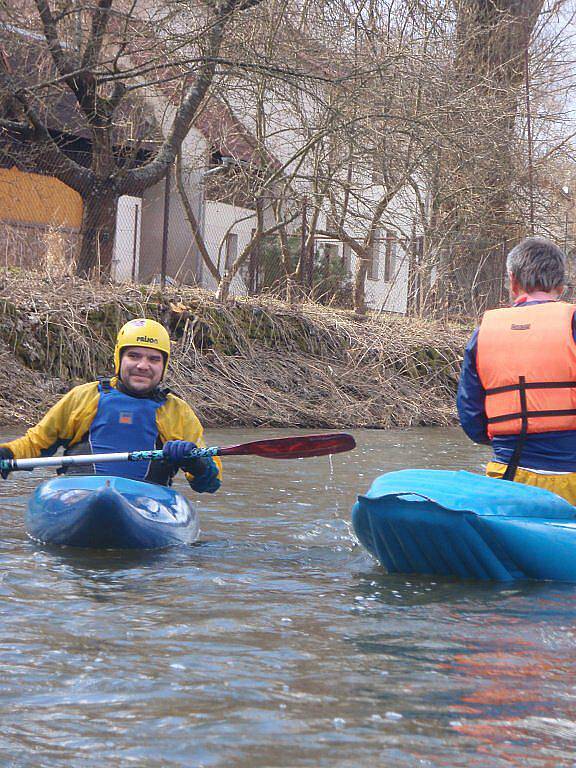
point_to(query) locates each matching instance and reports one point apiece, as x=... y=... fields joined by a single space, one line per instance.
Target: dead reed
x=253 y=361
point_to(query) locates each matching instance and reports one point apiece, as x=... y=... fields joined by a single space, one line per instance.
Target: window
x=231 y=249
x=330 y=251
x=374 y=262
x=390 y=257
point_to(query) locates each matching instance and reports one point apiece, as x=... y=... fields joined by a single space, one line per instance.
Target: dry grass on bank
x=255 y=361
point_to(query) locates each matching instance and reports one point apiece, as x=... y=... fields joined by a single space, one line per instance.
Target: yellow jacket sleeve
x=64 y=424
x=177 y=421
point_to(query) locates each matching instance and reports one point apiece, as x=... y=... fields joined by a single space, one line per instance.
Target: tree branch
x=141 y=178
x=93 y=48
x=61 y=61
x=196 y=234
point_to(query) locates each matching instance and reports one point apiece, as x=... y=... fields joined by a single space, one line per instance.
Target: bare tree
x=101 y=59
x=333 y=95
x=412 y=118
x=478 y=165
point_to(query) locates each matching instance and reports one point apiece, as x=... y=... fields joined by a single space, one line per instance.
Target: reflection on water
x=276 y=640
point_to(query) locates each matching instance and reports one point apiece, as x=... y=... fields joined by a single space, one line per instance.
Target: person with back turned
x=517 y=388
x=128 y=412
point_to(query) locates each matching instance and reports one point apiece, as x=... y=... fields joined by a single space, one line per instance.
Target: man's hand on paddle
x=205 y=471
x=5 y=453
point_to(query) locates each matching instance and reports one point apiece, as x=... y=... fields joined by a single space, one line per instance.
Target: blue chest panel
x=124 y=423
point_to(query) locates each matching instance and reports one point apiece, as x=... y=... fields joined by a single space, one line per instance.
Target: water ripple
x=276 y=641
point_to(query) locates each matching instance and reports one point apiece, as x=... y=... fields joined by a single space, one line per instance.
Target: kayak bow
x=466 y=525
x=100 y=512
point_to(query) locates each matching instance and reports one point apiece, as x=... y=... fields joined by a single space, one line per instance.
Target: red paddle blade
x=292 y=447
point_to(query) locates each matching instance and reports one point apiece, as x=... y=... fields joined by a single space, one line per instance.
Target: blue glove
x=205 y=470
x=209 y=482
x=5 y=453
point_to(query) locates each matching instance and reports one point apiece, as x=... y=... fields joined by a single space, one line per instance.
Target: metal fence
x=154 y=240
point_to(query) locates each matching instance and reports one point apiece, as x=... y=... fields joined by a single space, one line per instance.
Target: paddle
x=301 y=447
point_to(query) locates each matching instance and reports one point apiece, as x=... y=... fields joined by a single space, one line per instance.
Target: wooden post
x=302 y=263
x=165 y=228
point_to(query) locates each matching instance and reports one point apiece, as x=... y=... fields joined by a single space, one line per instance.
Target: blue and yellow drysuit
x=102 y=417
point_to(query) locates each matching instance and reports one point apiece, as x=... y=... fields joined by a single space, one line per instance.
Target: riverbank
x=253 y=362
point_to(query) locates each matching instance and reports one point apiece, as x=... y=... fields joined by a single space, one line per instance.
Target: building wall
x=36 y=199
x=182 y=259
x=290 y=117
x=220 y=220
x=384 y=291
x=183 y=262
x=389 y=292
x=40 y=218
x=126 y=258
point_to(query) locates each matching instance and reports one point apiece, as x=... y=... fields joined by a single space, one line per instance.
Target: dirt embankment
x=253 y=362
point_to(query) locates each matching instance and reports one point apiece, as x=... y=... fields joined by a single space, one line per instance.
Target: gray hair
x=537 y=264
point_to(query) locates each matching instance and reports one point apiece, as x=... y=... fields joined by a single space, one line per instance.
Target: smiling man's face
x=141 y=369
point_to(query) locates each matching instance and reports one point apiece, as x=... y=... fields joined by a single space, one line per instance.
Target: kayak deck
x=460 y=524
x=105 y=512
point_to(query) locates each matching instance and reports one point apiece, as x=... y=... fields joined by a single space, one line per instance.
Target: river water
x=276 y=641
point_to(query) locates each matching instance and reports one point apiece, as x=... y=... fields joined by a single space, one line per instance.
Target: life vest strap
x=514 y=462
x=532 y=385
x=531 y=415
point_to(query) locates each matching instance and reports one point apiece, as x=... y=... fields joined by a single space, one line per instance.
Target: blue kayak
x=466 y=525
x=102 y=512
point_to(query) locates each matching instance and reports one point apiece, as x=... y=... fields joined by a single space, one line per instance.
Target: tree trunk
x=223 y=291
x=289 y=274
x=97 y=232
x=481 y=171
x=359 y=294
x=194 y=225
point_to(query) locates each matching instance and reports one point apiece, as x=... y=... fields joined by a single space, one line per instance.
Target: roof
x=28 y=61
x=228 y=136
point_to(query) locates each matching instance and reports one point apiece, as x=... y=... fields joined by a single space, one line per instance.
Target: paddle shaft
x=300 y=447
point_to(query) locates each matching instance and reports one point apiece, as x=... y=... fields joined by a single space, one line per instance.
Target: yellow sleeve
x=63 y=425
x=177 y=421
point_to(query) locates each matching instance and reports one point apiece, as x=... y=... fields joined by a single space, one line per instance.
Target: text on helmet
x=147 y=339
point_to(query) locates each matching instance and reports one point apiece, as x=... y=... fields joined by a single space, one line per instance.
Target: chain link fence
x=154 y=242
x=41 y=230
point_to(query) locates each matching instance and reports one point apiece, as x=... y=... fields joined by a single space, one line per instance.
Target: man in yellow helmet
x=129 y=412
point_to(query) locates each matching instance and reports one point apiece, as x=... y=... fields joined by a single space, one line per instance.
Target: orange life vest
x=526 y=361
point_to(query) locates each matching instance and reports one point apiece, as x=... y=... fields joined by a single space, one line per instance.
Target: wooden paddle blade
x=300 y=447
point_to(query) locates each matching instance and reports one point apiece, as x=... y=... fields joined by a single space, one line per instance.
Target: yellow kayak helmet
x=142 y=333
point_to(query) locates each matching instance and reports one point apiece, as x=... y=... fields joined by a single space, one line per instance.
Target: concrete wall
x=126 y=258
x=221 y=219
x=183 y=262
x=182 y=258
x=390 y=294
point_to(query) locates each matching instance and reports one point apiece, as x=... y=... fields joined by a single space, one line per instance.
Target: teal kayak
x=466 y=525
x=105 y=512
